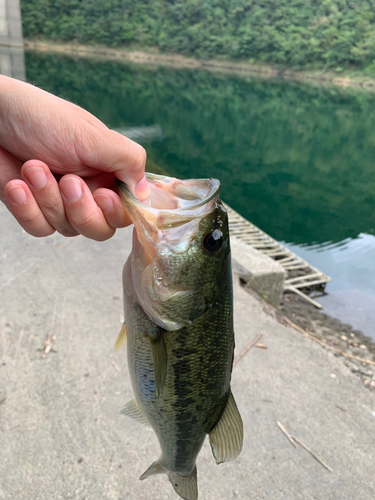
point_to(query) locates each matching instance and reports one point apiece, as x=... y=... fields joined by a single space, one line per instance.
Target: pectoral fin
x=132 y=410
x=227 y=436
x=121 y=339
x=159 y=358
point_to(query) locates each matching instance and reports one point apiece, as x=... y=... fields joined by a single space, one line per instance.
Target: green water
x=296 y=160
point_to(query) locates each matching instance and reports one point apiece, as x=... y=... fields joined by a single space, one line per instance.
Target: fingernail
x=141 y=190
x=37 y=177
x=104 y=201
x=17 y=195
x=71 y=189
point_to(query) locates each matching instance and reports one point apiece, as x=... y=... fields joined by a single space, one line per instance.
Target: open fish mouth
x=172 y=213
x=172 y=201
x=167 y=244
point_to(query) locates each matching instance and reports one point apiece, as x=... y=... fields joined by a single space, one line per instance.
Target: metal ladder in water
x=300 y=274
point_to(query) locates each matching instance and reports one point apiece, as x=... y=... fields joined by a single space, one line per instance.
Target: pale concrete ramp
x=61 y=436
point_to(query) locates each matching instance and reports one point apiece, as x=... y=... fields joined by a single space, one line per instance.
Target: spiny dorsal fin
x=159 y=358
x=227 y=436
x=185 y=486
x=121 y=339
x=132 y=410
x=154 y=468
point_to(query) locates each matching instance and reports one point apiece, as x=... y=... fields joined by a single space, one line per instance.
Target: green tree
x=297 y=33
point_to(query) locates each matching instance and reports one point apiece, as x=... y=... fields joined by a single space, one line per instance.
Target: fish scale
x=180 y=339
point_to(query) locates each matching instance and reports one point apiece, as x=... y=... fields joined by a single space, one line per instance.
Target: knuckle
x=91 y=228
x=46 y=232
x=52 y=207
x=104 y=236
x=40 y=232
x=82 y=221
x=31 y=218
x=68 y=233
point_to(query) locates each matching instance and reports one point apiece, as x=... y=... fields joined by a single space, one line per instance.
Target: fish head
x=181 y=252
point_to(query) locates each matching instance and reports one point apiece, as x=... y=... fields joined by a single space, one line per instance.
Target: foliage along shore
x=177 y=61
x=325 y=35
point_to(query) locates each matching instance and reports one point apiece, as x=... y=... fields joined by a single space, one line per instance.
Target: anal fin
x=154 y=469
x=132 y=410
x=159 y=358
x=121 y=339
x=227 y=436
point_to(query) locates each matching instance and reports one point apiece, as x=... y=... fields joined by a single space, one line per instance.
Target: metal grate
x=300 y=274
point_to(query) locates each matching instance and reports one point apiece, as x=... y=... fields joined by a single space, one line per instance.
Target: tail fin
x=185 y=486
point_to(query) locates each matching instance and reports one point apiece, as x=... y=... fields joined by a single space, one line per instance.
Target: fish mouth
x=166 y=231
x=168 y=194
x=166 y=226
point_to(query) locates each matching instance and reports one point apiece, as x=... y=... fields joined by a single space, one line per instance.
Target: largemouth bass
x=179 y=325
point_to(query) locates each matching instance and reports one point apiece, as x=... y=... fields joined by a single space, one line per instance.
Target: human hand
x=44 y=138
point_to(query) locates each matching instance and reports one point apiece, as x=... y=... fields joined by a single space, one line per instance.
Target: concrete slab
x=12 y=62
x=258 y=272
x=60 y=431
x=3 y=19
x=10 y=23
x=15 y=30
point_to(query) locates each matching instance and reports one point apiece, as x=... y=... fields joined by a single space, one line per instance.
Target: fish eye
x=212 y=242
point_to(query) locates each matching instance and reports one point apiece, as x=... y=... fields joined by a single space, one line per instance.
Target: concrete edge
x=258 y=272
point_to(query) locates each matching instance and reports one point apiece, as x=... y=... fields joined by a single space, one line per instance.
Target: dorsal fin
x=227 y=436
x=132 y=410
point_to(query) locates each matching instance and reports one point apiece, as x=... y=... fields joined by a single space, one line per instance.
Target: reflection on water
x=142 y=134
x=296 y=160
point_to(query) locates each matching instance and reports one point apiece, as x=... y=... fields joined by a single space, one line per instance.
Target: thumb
x=125 y=158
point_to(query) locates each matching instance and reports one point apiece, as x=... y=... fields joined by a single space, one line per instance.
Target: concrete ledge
x=12 y=62
x=10 y=23
x=260 y=273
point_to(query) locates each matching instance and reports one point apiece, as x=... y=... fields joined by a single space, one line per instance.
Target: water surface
x=296 y=160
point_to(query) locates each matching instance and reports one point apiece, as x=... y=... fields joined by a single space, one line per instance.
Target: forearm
x=20 y=118
x=9 y=88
